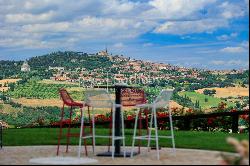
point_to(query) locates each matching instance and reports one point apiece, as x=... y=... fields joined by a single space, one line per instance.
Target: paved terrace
x=12 y=155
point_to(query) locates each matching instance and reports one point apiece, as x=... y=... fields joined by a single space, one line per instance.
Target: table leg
x=118 y=120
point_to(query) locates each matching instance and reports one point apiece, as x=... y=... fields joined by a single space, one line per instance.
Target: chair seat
x=145 y=106
x=74 y=104
x=96 y=104
x=149 y=106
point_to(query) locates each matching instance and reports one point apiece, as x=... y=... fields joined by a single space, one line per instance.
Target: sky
x=208 y=34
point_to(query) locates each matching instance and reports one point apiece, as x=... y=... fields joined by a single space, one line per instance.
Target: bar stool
x=161 y=101
x=68 y=101
x=101 y=99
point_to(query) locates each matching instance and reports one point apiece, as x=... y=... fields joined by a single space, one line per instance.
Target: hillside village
x=123 y=68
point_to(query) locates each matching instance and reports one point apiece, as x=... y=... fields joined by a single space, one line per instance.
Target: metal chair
x=161 y=101
x=68 y=101
x=101 y=99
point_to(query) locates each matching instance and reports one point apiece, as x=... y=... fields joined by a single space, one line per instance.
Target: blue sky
x=210 y=34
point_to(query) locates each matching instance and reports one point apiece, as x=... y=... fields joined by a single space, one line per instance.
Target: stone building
x=25 y=67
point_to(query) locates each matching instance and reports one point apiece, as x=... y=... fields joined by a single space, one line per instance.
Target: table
x=118 y=152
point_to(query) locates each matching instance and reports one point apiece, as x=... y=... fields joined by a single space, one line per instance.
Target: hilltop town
x=121 y=68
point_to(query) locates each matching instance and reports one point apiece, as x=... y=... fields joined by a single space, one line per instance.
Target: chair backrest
x=98 y=99
x=132 y=97
x=65 y=97
x=162 y=100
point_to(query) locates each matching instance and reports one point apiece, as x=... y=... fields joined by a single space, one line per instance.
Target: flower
x=242 y=148
x=233 y=110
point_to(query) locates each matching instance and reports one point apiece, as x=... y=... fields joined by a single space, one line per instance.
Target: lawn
x=184 y=139
x=211 y=101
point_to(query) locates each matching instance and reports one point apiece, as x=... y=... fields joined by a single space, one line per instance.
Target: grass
x=183 y=139
x=212 y=101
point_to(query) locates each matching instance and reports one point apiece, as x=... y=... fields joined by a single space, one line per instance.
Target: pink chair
x=68 y=101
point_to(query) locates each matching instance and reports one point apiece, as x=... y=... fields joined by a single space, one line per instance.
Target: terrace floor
x=12 y=155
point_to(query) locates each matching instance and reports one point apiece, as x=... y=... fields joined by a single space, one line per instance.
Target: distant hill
x=70 y=60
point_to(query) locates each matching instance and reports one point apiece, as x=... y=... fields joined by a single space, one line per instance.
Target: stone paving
x=13 y=155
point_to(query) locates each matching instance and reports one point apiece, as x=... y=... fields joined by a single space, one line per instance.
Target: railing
x=186 y=118
x=235 y=118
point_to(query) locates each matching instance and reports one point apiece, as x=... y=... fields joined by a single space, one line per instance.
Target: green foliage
x=209 y=92
x=33 y=89
x=152 y=93
x=34 y=116
x=205 y=101
x=70 y=60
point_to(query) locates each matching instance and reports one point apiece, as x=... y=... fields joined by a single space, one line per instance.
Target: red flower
x=162 y=114
x=210 y=120
x=190 y=110
x=245 y=117
x=130 y=117
x=233 y=110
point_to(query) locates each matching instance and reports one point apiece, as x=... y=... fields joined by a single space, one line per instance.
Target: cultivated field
x=211 y=101
x=8 y=81
x=227 y=92
x=47 y=81
x=38 y=102
x=2 y=82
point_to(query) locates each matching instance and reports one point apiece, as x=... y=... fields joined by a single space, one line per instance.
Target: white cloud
x=230 y=63
x=118 y=7
x=174 y=9
x=243 y=47
x=46 y=21
x=147 y=44
x=217 y=62
x=119 y=45
x=50 y=27
x=227 y=37
x=232 y=10
x=189 y=27
x=27 y=43
x=29 y=18
x=233 y=50
x=245 y=44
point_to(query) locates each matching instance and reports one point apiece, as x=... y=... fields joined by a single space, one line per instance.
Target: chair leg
x=113 y=133
x=68 y=133
x=172 y=132
x=60 y=132
x=156 y=133
x=150 y=130
x=110 y=129
x=140 y=126
x=83 y=134
x=135 y=128
x=93 y=130
x=80 y=136
x=146 y=114
x=123 y=135
x=146 y=118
